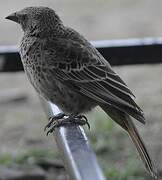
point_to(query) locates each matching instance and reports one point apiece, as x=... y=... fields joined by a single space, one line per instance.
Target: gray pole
x=80 y=160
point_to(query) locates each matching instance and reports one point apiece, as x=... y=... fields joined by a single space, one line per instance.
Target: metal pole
x=80 y=160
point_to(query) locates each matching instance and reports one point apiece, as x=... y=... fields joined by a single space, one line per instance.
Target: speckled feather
x=76 y=65
x=66 y=69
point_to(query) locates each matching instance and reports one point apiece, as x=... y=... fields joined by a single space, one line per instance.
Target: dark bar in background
x=117 y=52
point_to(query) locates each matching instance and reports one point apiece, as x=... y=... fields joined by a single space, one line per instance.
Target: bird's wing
x=84 y=69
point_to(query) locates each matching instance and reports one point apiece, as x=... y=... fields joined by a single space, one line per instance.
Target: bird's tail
x=126 y=122
x=141 y=148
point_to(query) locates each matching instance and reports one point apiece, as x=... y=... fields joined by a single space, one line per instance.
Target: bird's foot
x=59 y=120
x=53 y=119
x=81 y=120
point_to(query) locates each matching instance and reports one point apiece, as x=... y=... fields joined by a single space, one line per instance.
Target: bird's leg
x=71 y=119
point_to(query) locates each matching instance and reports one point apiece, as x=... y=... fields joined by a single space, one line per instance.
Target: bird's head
x=34 y=19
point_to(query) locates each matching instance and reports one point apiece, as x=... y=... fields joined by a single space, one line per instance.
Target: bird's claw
x=53 y=119
x=61 y=121
x=57 y=123
x=84 y=120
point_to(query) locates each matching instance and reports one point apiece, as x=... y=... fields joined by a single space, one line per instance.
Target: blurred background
x=24 y=146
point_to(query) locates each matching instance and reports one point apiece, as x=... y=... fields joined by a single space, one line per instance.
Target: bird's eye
x=24 y=17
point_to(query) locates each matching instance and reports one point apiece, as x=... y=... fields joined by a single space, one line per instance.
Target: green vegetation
x=26 y=158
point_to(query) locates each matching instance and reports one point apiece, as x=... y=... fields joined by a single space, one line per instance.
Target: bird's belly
x=67 y=100
x=71 y=102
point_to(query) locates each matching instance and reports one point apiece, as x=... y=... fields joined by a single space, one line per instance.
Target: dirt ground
x=21 y=116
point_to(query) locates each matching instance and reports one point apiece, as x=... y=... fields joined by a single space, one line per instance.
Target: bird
x=66 y=69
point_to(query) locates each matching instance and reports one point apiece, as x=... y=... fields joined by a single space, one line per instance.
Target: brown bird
x=67 y=70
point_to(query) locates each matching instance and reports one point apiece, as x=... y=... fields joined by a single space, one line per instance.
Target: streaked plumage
x=66 y=69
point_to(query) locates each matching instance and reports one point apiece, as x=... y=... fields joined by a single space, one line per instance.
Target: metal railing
x=80 y=160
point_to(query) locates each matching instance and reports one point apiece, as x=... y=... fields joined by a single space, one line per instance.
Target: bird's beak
x=12 y=17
